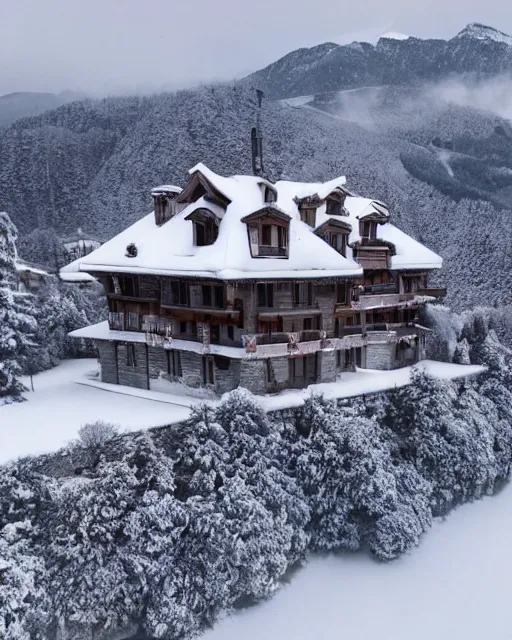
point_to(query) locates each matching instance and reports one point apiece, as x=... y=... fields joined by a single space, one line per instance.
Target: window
x=368 y=229
x=270 y=326
x=231 y=332
x=174 y=363
x=133 y=321
x=130 y=355
x=307 y=324
x=273 y=240
x=265 y=292
x=214 y=333
x=303 y=294
x=207 y=295
x=205 y=233
x=124 y=286
x=308 y=215
x=338 y=241
x=183 y=327
x=270 y=195
x=334 y=207
x=266 y=235
x=342 y=293
x=212 y=296
x=282 y=237
x=179 y=293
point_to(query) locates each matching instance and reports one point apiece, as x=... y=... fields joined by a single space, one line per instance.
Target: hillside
x=477 y=50
x=22 y=104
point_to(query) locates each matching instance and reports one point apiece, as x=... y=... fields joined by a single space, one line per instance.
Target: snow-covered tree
x=23 y=602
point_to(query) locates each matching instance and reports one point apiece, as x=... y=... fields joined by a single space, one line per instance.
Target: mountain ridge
x=477 y=50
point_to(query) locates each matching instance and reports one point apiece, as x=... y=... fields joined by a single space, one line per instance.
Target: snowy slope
x=453 y=587
x=52 y=415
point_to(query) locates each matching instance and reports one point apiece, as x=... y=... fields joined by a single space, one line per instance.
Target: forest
x=160 y=533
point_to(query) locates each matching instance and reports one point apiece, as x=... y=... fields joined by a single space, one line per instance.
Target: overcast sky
x=109 y=46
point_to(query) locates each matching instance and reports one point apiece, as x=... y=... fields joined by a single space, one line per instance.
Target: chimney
x=256 y=140
x=163 y=199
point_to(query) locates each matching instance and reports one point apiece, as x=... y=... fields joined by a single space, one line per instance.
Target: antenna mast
x=256 y=140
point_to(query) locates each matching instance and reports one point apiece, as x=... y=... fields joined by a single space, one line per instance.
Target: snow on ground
x=52 y=415
x=453 y=587
x=68 y=396
x=366 y=381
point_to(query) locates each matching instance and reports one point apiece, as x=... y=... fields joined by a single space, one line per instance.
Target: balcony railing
x=380 y=288
x=284 y=338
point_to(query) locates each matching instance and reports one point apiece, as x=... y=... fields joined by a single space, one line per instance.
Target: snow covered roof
x=71 y=273
x=21 y=267
x=169 y=249
x=165 y=188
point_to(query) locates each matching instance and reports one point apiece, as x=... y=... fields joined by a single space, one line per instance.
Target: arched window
x=206 y=226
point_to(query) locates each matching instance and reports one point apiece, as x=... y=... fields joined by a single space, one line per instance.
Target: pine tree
x=17 y=322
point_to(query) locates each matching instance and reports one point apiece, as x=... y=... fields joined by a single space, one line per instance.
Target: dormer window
x=336 y=233
x=270 y=194
x=268 y=232
x=338 y=241
x=308 y=215
x=368 y=230
x=205 y=225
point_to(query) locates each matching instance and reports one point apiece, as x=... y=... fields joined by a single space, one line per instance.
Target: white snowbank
x=59 y=406
x=52 y=415
x=453 y=587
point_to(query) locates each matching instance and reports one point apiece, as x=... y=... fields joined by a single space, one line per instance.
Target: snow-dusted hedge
x=167 y=531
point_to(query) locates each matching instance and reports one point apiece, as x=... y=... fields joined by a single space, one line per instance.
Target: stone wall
x=325 y=297
x=380 y=355
x=137 y=375
x=280 y=372
x=226 y=379
x=253 y=375
x=326 y=366
x=192 y=368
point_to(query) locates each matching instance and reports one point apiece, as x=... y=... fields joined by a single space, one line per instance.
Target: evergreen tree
x=17 y=322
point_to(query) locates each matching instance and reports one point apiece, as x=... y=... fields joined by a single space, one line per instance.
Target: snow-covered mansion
x=238 y=281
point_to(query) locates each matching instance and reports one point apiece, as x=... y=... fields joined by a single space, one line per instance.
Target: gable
x=198 y=186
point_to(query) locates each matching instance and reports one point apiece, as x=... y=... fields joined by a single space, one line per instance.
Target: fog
x=113 y=46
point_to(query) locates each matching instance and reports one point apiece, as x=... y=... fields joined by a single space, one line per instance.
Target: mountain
x=477 y=50
x=14 y=106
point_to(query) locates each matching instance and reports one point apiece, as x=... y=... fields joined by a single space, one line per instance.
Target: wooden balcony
x=435 y=292
x=284 y=338
x=382 y=300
